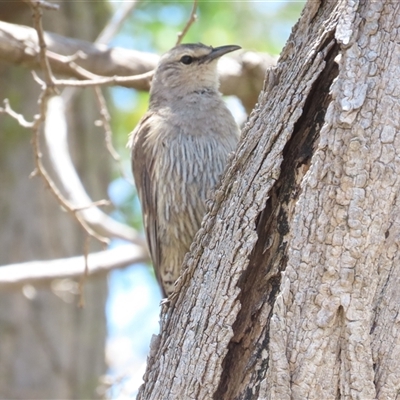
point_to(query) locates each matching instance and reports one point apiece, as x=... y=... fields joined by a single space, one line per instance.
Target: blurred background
x=50 y=348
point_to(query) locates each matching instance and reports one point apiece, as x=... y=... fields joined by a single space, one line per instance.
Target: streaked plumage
x=179 y=151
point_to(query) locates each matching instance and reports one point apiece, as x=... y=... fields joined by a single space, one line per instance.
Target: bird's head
x=187 y=68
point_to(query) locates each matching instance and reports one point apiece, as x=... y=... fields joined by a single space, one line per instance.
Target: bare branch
x=40 y=170
x=18 y=117
x=39 y=272
x=105 y=122
x=69 y=180
x=43 y=4
x=36 y=6
x=252 y=65
x=19 y=45
x=77 y=202
x=70 y=61
x=111 y=29
x=144 y=79
x=44 y=98
x=105 y=37
x=189 y=23
x=98 y=203
x=241 y=75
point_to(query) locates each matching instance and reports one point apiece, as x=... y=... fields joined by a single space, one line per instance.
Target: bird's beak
x=218 y=52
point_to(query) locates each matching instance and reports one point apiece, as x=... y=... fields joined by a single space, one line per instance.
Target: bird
x=179 y=150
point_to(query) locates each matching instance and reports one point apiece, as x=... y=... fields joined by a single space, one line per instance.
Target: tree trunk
x=49 y=348
x=291 y=287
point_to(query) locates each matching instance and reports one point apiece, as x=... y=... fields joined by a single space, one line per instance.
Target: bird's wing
x=143 y=172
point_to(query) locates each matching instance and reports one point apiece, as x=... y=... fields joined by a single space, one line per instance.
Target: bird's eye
x=186 y=60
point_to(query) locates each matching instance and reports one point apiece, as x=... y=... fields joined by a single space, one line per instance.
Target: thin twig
x=113 y=80
x=43 y=4
x=103 y=223
x=48 y=90
x=189 y=23
x=36 y=7
x=69 y=179
x=88 y=78
x=105 y=121
x=79 y=55
x=18 y=117
x=70 y=61
x=111 y=29
x=106 y=35
x=98 y=203
x=40 y=170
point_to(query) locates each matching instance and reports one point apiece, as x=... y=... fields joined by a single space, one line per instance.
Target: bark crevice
x=260 y=283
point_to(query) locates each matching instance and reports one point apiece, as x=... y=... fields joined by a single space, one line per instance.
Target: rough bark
x=291 y=286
